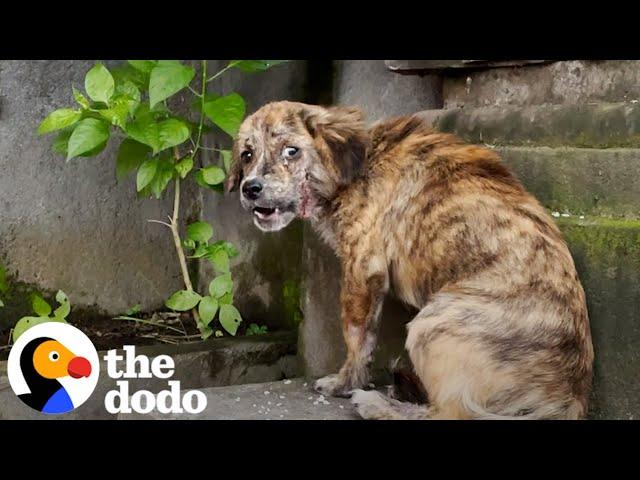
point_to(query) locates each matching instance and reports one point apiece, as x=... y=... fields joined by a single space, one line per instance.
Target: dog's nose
x=252 y=188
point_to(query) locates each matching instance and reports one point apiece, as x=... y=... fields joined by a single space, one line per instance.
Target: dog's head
x=290 y=158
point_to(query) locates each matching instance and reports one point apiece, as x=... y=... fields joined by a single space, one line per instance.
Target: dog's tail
x=406 y=386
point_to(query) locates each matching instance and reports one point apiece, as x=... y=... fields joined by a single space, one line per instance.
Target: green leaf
x=226 y=299
x=158 y=135
x=184 y=166
x=129 y=91
x=133 y=310
x=143 y=65
x=61 y=297
x=201 y=251
x=220 y=260
x=188 y=243
x=226 y=159
x=167 y=78
x=99 y=83
x=199 y=232
x=205 y=331
x=230 y=318
x=219 y=333
x=250 y=66
x=146 y=172
x=213 y=175
x=230 y=248
x=80 y=98
x=90 y=134
x=61 y=142
x=64 y=309
x=164 y=174
x=183 y=300
x=40 y=306
x=221 y=285
x=255 y=329
x=126 y=72
x=118 y=112
x=226 y=112
x=1 y=303
x=131 y=154
x=26 y=323
x=207 y=309
x=59 y=119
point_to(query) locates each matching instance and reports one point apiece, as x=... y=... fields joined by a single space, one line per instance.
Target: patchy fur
x=501 y=329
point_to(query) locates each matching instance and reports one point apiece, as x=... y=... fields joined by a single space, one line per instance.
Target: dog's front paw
x=334 y=385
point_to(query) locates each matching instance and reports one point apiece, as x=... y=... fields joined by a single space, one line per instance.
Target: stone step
x=285 y=400
x=601 y=125
x=601 y=182
x=607 y=257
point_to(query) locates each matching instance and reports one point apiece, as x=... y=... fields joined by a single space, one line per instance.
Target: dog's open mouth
x=264 y=213
x=270 y=219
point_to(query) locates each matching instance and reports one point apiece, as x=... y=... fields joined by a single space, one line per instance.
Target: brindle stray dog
x=502 y=329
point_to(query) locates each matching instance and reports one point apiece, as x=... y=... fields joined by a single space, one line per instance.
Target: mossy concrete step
x=601 y=182
x=599 y=125
x=607 y=257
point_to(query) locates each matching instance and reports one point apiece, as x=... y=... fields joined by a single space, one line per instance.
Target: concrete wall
x=74 y=227
x=71 y=226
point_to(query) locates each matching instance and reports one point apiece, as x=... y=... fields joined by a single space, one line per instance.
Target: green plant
x=44 y=312
x=131 y=104
x=255 y=329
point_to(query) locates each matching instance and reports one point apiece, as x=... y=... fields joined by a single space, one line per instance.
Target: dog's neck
x=326 y=215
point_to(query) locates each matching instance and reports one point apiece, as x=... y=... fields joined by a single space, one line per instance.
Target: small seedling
x=44 y=313
x=255 y=329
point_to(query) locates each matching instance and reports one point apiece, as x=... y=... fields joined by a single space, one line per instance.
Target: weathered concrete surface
x=214 y=363
x=267 y=271
x=580 y=180
x=607 y=257
x=600 y=125
x=368 y=84
x=284 y=400
x=568 y=82
x=73 y=226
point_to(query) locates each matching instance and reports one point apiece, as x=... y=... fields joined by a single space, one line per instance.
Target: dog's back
x=464 y=242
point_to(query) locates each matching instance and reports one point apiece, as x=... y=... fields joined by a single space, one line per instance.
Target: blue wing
x=60 y=402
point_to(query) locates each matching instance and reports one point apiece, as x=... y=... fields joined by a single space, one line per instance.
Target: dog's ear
x=340 y=135
x=234 y=175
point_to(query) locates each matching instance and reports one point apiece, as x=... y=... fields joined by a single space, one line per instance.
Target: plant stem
x=176 y=237
x=202 y=102
x=219 y=73
x=178 y=242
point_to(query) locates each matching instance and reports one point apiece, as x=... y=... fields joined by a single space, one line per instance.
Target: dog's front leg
x=361 y=301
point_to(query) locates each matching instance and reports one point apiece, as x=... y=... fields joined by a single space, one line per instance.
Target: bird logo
x=53 y=367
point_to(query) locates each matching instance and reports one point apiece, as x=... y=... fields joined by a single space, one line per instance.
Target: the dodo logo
x=53 y=367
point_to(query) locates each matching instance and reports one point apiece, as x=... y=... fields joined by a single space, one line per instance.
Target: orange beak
x=79 y=367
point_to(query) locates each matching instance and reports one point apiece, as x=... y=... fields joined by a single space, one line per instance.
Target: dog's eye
x=246 y=156
x=290 y=152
